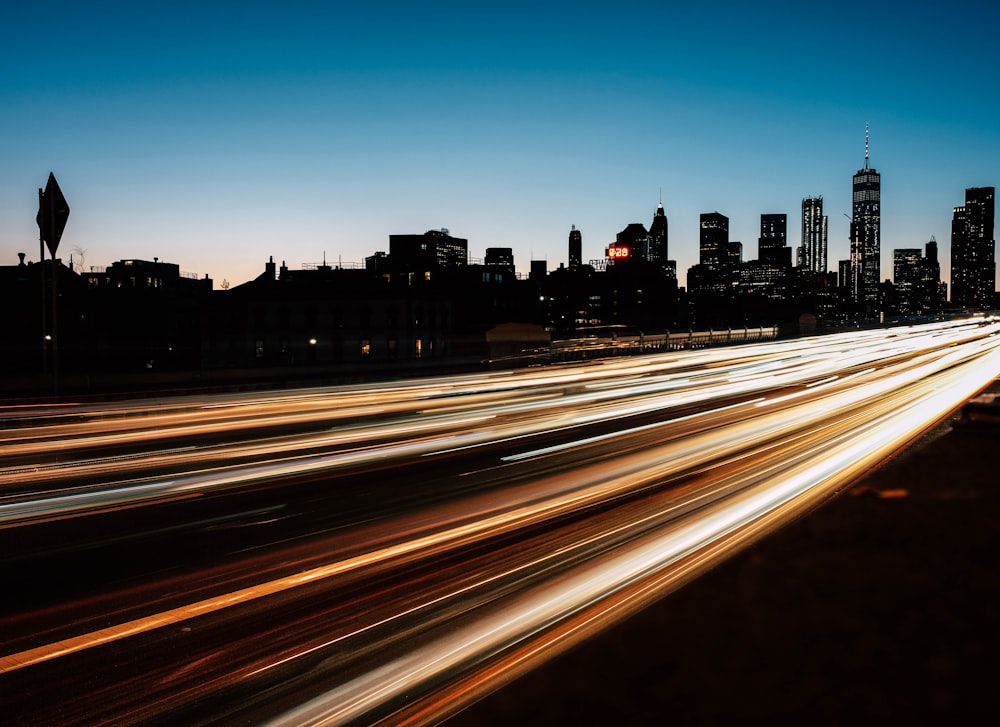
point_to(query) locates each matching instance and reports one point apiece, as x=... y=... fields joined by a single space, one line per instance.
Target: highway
x=386 y=554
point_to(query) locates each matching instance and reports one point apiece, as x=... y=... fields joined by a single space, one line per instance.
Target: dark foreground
x=879 y=608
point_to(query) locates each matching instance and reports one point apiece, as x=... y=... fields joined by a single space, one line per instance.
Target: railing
x=630 y=344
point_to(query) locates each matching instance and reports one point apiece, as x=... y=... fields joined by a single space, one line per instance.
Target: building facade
x=421 y=255
x=916 y=279
x=658 y=237
x=713 y=240
x=575 y=247
x=814 y=236
x=866 y=236
x=772 y=245
x=973 y=250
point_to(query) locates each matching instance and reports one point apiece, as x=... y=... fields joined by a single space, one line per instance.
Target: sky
x=217 y=135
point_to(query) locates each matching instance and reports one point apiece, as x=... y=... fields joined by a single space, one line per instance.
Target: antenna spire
x=866 y=145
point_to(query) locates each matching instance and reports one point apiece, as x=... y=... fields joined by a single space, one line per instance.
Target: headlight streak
x=624 y=432
x=506 y=625
x=444 y=444
x=758 y=459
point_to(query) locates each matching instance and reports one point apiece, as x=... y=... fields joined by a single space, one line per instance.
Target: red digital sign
x=618 y=252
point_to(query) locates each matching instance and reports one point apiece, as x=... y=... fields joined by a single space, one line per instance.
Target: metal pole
x=41 y=277
x=55 y=316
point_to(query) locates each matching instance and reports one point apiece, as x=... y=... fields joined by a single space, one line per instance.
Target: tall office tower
x=814 y=236
x=713 y=241
x=772 y=243
x=973 y=250
x=658 y=237
x=866 y=237
x=575 y=247
x=930 y=280
x=907 y=274
x=932 y=268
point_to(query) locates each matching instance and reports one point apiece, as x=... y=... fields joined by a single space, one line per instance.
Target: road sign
x=53 y=211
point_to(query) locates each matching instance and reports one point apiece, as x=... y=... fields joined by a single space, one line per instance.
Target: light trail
x=572 y=497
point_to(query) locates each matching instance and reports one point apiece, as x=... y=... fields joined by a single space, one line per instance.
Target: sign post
x=53 y=211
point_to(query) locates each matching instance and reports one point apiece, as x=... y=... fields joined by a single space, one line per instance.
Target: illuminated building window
x=417 y=348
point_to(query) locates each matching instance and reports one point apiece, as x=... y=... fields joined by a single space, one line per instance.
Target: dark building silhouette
x=932 y=285
x=29 y=346
x=135 y=315
x=571 y=300
x=713 y=240
x=159 y=307
x=866 y=237
x=636 y=294
x=714 y=282
x=659 y=237
x=325 y=315
x=813 y=255
x=907 y=277
x=916 y=277
x=635 y=239
x=719 y=258
x=500 y=257
x=421 y=255
x=772 y=245
x=973 y=251
x=424 y=309
x=575 y=247
x=378 y=263
x=765 y=282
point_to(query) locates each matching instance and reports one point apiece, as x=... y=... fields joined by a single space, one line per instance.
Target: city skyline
x=318 y=134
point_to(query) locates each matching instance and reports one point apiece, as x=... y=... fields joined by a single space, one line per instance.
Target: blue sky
x=215 y=135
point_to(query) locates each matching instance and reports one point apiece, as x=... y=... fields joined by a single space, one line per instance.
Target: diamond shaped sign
x=53 y=211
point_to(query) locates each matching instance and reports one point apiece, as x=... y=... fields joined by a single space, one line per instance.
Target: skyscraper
x=772 y=243
x=713 y=240
x=814 y=236
x=973 y=250
x=658 y=237
x=907 y=275
x=917 y=280
x=575 y=247
x=866 y=238
x=768 y=275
